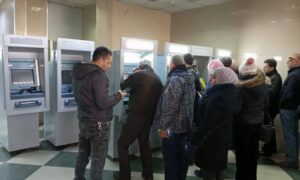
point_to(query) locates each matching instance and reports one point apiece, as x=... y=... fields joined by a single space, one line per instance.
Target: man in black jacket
x=274 y=96
x=94 y=106
x=289 y=101
x=145 y=89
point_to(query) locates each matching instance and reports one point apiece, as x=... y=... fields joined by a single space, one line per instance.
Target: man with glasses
x=289 y=101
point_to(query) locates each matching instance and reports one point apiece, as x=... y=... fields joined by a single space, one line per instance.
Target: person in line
x=173 y=119
x=253 y=98
x=145 y=89
x=273 y=108
x=289 y=101
x=95 y=107
x=217 y=111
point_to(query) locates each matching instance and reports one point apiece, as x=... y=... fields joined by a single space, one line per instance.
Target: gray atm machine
x=202 y=56
x=24 y=90
x=132 y=52
x=61 y=124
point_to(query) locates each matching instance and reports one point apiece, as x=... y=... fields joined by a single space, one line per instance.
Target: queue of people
x=189 y=119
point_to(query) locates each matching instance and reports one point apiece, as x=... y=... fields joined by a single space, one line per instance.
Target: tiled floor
x=50 y=163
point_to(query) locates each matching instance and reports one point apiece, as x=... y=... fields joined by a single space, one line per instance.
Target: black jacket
x=253 y=99
x=216 y=109
x=145 y=90
x=274 y=92
x=290 y=93
x=91 y=94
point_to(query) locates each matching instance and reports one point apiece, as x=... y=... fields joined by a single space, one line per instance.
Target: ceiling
x=174 y=5
x=74 y=3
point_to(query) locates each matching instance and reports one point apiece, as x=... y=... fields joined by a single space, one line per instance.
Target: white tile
x=231 y=157
x=50 y=173
x=73 y=148
x=267 y=172
x=111 y=165
x=157 y=154
x=191 y=170
x=38 y=157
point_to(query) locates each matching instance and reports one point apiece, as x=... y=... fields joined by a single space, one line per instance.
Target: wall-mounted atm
x=133 y=51
x=61 y=124
x=24 y=90
x=171 y=49
x=202 y=56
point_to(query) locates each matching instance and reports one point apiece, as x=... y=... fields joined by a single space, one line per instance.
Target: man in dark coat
x=94 y=106
x=217 y=109
x=274 y=96
x=289 y=101
x=145 y=89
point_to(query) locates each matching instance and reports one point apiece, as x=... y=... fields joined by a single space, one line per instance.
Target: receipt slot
x=61 y=124
x=24 y=90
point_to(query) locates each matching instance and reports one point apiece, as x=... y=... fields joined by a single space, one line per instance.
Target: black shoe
x=199 y=173
x=117 y=176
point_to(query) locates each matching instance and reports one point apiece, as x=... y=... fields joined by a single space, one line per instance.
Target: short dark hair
x=271 y=62
x=188 y=59
x=101 y=52
x=226 y=61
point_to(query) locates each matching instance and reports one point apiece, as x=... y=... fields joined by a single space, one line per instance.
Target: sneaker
x=289 y=165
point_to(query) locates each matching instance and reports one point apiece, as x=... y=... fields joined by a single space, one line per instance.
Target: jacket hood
x=257 y=80
x=81 y=70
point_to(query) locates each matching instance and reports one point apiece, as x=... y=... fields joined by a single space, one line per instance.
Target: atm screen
x=66 y=76
x=22 y=76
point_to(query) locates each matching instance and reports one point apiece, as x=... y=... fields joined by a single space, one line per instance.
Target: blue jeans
x=290 y=131
x=175 y=152
x=93 y=143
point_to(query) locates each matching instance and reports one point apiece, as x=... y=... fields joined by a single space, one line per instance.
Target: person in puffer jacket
x=174 y=117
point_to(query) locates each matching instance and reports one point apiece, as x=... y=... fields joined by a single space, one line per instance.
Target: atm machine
x=132 y=52
x=24 y=90
x=60 y=123
x=202 y=56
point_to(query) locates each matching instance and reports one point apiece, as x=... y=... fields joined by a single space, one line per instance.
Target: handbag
x=267 y=129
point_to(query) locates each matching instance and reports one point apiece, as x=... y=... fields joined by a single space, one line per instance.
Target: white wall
x=64 y=21
x=7 y=17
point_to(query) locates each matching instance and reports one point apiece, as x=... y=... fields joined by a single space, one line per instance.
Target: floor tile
x=158 y=165
x=231 y=157
x=293 y=173
x=16 y=171
x=4 y=155
x=267 y=172
x=50 y=173
x=110 y=165
x=63 y=159
x=37 y=157
x=73 y=148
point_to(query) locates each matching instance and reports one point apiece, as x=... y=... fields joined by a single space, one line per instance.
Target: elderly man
x=145 y=89
x=174 y=116
x=289 y=101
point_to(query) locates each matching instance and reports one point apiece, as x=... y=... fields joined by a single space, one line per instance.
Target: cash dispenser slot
x=26 y=104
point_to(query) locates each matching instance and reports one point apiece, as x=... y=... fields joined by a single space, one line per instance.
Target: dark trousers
x=93 y=144
x=130 y=132
x=213 y=175
x=176 y=158
x=246 y=150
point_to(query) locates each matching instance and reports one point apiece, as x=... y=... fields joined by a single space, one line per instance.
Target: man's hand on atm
x=123 y=94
